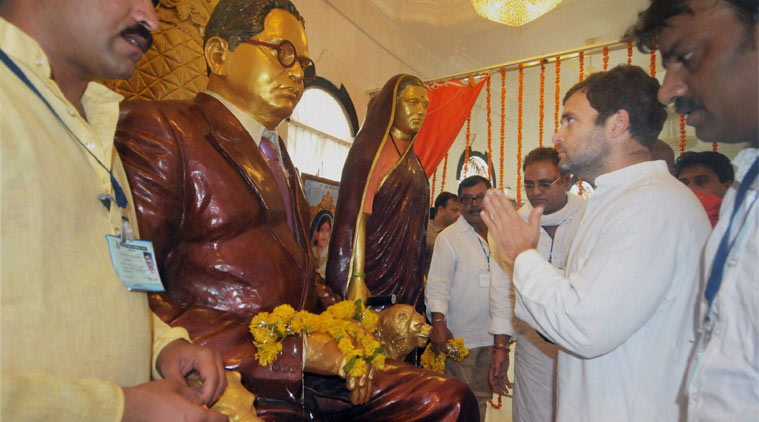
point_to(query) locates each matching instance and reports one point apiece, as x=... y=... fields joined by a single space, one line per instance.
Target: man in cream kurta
x=72 y=335
x=622 y=312
x=535 y=357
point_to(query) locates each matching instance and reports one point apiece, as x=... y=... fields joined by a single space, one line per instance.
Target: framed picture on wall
x=322 y=196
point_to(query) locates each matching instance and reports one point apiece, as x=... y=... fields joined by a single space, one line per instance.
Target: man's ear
x=619 y=123
x=215 y=53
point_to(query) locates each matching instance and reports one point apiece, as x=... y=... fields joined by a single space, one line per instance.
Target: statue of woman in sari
x=378 y=238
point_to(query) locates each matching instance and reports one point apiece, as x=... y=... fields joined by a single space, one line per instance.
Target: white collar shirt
x=622 y=312
x=723 y=382
x=453 y=283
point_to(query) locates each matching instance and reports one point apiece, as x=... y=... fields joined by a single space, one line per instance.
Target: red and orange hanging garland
x=432 y=190
x=557 y=96
x=445 y=170
x=629 y=53
x=468 y=134
x=503 y=123
x=490 y=132
x=519 y=133
x=582 y=65
x=542 y=103
x=496 y=406
x=683 y=138
x=606 y=58
x=652 y=64
x=714 y=146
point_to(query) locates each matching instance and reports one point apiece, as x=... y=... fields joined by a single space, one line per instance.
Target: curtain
x=314 y=153
x=450 y=103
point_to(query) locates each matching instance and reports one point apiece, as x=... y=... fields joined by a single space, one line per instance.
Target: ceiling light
x=513 y=12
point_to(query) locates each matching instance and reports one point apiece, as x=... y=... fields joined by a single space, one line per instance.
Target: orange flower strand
x=714 y=146
x=490 y=131
x=542 y=102
x=496 y=406
x=629 y=53
x=468 y=134
x=606 y=58
x=582 y=65
x=432 y=190
x=519 y=133
x=503 y=123
x=556 y=99
x=445 y=170
x=652 y=65
x=683 y=137
x=579 y=186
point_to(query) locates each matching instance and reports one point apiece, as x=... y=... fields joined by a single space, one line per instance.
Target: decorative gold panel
x=174 y=68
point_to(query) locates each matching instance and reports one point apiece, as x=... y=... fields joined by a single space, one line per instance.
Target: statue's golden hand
x=325 y=358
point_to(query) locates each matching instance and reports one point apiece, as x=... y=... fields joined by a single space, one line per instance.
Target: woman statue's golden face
x=411 y=110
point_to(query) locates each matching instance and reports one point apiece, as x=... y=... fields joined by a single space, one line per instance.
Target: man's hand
x=440 y=333
x=499 y=372
x=180 y=357
x=166 y=400
x=510 y=232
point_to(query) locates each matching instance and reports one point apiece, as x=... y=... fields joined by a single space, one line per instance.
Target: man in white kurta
x=710 y=50
x=535 y=358
x=622 y=312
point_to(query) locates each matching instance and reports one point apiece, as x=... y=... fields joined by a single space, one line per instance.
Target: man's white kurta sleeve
x=620 y=286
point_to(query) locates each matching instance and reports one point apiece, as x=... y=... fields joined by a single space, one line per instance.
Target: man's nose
x=144 y=14
x=673 y=87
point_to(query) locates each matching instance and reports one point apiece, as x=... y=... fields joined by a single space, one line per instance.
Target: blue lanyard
x=487 y=256
x=718 y=266
x=121 y=199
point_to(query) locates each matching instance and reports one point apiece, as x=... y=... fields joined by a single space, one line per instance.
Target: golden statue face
x=252 y=78
x=411 y=109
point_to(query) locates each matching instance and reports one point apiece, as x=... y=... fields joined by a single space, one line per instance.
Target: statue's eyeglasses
x=287 y=56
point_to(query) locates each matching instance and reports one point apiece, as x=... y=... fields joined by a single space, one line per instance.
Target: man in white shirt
x=76 y=344
x=535 y=357
x=622 y=311
x=709 y=49
x=447 y=210
x=456 y=294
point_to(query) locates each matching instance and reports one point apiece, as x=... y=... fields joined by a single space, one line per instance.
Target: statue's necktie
x=271 y=155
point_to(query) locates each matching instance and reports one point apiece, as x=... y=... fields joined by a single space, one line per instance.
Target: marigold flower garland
x=542 y=102
x=714 y=146
x=468 y=134
x=503 y=123
x=652 y=64
x=606 y=57
x=349 y=323
x=629 y=53
x=490 y=131
x=519 y=133
x=556 y=98
x=445 y=170
x=581 y=57
x=432 y=190
x=683 y=138
x=435 y=362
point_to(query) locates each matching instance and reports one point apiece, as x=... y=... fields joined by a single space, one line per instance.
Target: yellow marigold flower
x=359 y=367
x=379 y=361
x=284 y=311
x=369 y=344
x=370 y=320
x=345 y=346
x=342 y=310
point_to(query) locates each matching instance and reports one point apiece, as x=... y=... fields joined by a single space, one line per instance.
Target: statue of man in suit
x=216 y=192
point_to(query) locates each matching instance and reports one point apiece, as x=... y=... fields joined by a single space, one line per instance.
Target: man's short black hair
x=443 y=198
x=238 y=20
x=715 y=161
x=542 y=154
x=627 y=88
x=654 y=19
x=472 y=181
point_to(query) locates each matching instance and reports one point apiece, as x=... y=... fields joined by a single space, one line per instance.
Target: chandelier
x=513 y=12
